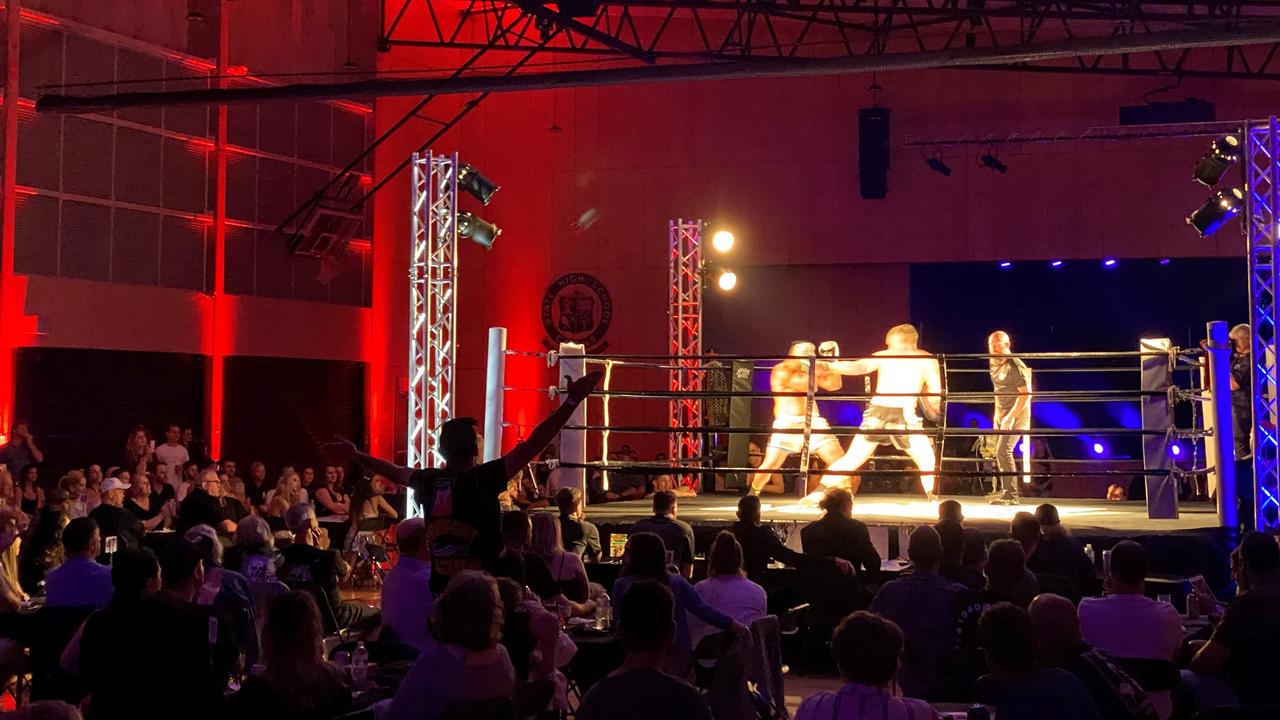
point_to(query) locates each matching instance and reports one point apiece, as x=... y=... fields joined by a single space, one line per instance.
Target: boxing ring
x=1160 y=376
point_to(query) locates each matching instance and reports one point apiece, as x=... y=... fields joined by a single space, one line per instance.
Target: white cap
x=112 y=484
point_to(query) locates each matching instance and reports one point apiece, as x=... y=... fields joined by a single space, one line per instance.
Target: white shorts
x=879 y=417
x=791 y=442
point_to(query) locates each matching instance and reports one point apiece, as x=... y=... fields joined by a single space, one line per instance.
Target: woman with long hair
x=148 y=508
x=81 y=498
x=11 y=594
x=727 y=588
x=137 y=450
x=566 y=568
x=31 y=495
x=287 y=493
x=9 y=498
x=646 y=559
x=297 y=681
x=370 y=510
x=43 y=550
x=327 y=491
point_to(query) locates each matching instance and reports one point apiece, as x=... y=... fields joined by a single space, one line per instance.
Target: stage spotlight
x=1099 y=448
x=936 y=165
x=1175 y=450
x=1164 y=261
x=992 y=162
x=478 y=230
x=1005 y=265
x=727 y=280
x=1216 y=211
x=1056 y=263
x=475 y=184
x=1222 y=154
x=722 y=241
x=1109 y=263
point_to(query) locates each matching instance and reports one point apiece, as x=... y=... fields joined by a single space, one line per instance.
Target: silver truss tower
x=432 y=296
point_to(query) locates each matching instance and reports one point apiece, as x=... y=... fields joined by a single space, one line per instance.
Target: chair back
x=262 y=592
x=1058 y=585
x=327 y=615
x=765 y=666
x=52 y=630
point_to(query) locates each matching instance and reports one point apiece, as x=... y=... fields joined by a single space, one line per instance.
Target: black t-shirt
x=1242 y=373
x=1063 y=556
x=464 y=519
x=760 y=546
x=641 y=695
x=199 y=508
x=1250 y=629
x=306 y=565
x=153 y=510
x=164 y=495
x=677 y=536
x=257 y=494
x=232 y=509
x=121 y=523
x=838 y=536
x=1006 y=378
x=528 y=569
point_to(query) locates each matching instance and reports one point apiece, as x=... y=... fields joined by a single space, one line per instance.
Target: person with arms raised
x=461 y=499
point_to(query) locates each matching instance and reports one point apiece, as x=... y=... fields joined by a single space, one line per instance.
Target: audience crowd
x=176 y=588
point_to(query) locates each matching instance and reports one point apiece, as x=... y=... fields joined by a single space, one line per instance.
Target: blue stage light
x=1109 y=263
x=1056 y=263
x=1099 y=448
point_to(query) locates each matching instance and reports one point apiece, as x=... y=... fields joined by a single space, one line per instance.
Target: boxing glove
x=829 y=348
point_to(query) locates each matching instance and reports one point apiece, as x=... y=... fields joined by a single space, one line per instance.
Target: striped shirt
x=863 y=702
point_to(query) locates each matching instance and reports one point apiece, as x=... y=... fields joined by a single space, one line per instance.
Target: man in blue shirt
x=80 y=581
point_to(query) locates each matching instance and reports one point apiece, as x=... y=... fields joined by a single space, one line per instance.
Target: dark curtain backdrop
x=280 y=411
x=82 y=403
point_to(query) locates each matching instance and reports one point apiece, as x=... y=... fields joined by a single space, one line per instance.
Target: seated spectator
x=866 y=648
x=1007 y=579
x=200 y=507
x=108 y=656
x=297 y=682
x=30 y=493
x=528 y=568
x=1018 y=686
x=566 y=568
x=188 y=480
x=307 y=567
x=645 y=559
x=953 y=567
x=1025 y=529
x=286 y=493
x=925 y=606
x=232 y=508
x=727 y=588
x=580 y=537
x=183 y=649
x=43 y=550
x=1053 y=551
x=253 y=551
x=162 y=485
x=80 y=498
x=523 y=492
x=1006 y=572
x=328 y=495
x=1126 y=623
x=677 y=535
x=80 y=581
x=1242 y=648
x=149 y=509
x=406 y=593
x=371 y=511
x=11 y=594
x=465 y=665
x=625 y=484
x=1059 y=645
x=761 y=546
x=640 y=689
x=950 y=510
x=226 y=590
x=114 y=520
x=533 y=639
x=9 y=495
x=839 y=535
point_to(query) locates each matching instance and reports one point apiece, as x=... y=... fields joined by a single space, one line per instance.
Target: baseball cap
x=112 y=484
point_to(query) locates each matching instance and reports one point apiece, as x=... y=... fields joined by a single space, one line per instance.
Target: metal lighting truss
x=432 y=318
x=1262 y=229
x=684 y=323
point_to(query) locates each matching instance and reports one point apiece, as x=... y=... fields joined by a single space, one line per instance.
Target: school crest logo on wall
x=577 y=308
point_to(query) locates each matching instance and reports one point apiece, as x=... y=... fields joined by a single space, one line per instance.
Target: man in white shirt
x=1126 y=623
x=406 y=591
x=173 y=454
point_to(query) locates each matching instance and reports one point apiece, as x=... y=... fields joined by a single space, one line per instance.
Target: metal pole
x=752 y=68
x=573 y=443
x=495 y=380
x=1220 y=447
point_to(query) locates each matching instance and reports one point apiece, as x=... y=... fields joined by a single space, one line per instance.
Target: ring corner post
x=495 y=382
x=573 y=442
x=1157 y=420
x=1220 y=442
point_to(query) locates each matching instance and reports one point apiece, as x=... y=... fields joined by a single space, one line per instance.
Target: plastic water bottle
x=359 y=665
x=1088 y=551
x=604 y=612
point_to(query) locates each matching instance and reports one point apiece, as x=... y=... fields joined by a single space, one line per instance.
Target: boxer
x=792 y=375
x=899 y=379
